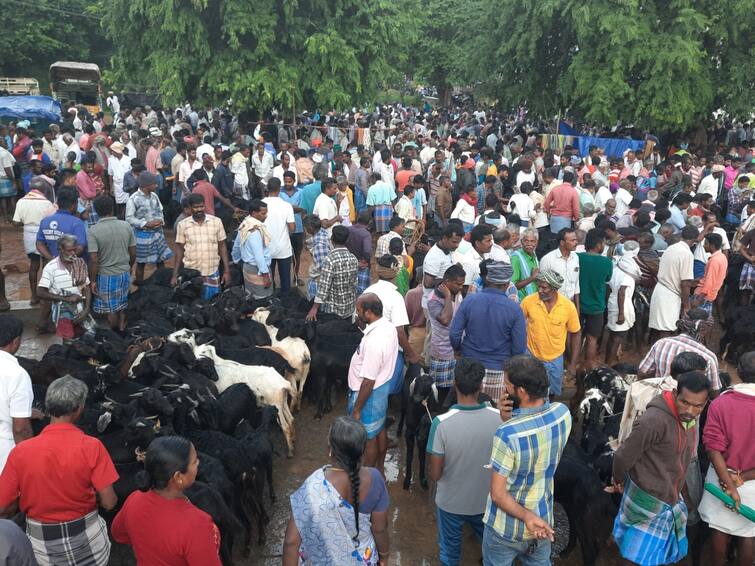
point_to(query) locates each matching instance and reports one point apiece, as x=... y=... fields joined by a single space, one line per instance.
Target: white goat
x=268 y=386
x=294 y=350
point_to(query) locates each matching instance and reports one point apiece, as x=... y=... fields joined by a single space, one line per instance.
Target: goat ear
x=435 y=392
x=412 y=385
x=104 y=421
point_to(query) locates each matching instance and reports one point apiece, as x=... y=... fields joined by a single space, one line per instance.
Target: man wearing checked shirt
x=526 y=450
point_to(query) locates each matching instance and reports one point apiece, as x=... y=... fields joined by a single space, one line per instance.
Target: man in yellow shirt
x=551 y=317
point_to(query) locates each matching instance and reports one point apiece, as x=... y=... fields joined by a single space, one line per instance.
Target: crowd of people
x=461 y=245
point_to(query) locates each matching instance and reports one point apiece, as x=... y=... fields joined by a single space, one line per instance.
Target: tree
x=653 y=63
x=259 y=53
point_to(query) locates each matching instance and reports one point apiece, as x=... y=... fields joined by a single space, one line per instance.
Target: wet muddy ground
x=412 y=513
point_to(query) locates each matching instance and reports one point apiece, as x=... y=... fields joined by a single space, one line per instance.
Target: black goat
x=206 y=498
x=421 y=404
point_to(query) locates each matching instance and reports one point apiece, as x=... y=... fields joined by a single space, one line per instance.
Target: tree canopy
x=260 y=53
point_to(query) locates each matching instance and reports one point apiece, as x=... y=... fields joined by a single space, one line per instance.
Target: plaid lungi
x=492 y=384
x=363 y=280
x=211 y=285
x=442 y=371
x=83 y=541
x=747 y=278
x=649 y=531
x=374 y=411
x=7 y=188
x=151 y=246
x=382 y=213
x=112 y=293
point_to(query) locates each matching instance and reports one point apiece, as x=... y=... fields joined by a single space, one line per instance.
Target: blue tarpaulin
x=566 y=129
x=613 y=147
x=30 y=108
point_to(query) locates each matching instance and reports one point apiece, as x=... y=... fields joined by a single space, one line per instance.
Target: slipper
x=4 y=305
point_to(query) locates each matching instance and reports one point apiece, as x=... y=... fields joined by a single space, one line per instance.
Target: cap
x=717 y=168
x=117 y=147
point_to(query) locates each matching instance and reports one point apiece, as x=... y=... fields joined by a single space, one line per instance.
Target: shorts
x=297 y=243
x=592 y=324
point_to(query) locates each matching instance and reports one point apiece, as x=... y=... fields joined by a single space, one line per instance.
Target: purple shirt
x=359 y=242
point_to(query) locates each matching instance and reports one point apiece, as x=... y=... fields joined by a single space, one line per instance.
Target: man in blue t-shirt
x=62 y=222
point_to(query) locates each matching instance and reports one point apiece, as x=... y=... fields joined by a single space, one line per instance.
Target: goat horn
x=151 y=418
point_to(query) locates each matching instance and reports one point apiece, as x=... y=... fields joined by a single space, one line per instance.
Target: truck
x=15 y=86
x=74 y=83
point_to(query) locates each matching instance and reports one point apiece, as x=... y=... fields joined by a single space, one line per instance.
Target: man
x=369 y=372
x=442 y=305
x=676 y=277
x=65 y=282
x=678 y=210
x=693 y=327
x=262 y=164
x=395 y=230
x=65 y=221
x=284 y=167
x=564 y=261
x=525 y=265
x=650 y=467
x=713 y=183
x=336 y=283
x=728 y=441
x=713 y=278
x=318 y=246
x=112 y=253
x=16 y=395
x=380 y=198
x=240 y=168
x=200 y=245
x=551 y=317
x=280 y=225
x=188 y=167
x=117 y=166
x=394 y=308
x=489 y=327
x=526 y=451
x=325 y=207
x=144 y=212
x=459 y=446
x=562 y=204
x=252 y=247
x=481 y=238
x=595 y=271
x=438 y=259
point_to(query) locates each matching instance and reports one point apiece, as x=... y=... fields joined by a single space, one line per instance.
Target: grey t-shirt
x=464 y=437
x=15 y=548
x=111 y=239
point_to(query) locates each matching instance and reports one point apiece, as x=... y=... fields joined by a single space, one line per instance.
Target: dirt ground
x=412 y=515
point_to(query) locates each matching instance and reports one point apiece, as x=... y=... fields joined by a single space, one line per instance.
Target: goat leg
x=409 y=438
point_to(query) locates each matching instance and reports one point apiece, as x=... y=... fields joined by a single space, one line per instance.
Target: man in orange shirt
x=715 y=273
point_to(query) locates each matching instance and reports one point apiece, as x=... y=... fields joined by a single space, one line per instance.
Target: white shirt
x=497 y=253
x=278 y=171
x=279 y=214
x=186 y=169
x=709 y=186
x=205 y=149
x=525 y=207
x=113 y=104
x=603 y=194
x=263 y=167
x=700 y=253
x=435 y=264
x=117 y=169
x=325 y=208
x=524 y=177
x=6 y=161
x=623 y=198
x=57 y=280
x=568 y=268
x=394 y=308
x=16 y=398
x=386 y=174
x=464 y=211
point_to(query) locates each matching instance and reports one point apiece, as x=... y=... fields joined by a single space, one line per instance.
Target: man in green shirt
x=525 y=265
x=595 y=272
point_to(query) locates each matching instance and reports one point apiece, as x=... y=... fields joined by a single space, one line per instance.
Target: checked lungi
x=112 y=293
x=442 y=372
x=151 y=246
x=492 y=384
x=211 y=285
x=382 y=213
x=374 y=411
x=363 y=280
x=83 y=541
x=747 y=277
x=649 y=531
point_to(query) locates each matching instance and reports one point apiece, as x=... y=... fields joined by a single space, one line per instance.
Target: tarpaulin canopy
x=30 y=108
x=568 y=135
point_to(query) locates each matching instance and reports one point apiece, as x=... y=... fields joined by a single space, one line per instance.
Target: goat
x=422 y=401
x=268 y=386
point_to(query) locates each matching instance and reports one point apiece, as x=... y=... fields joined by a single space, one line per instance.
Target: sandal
x=4 y=305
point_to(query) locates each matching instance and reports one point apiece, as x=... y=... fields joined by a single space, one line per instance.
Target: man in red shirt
x=57 y=478
x=208 y=192
x=562 y=204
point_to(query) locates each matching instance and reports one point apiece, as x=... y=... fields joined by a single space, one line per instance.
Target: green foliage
x=664 y=65
x=260 y=53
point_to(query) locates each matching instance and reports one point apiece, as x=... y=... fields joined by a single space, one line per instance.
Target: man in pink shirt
x=370 y=372
x=715 y=273
x=209 y=193
x=562 y=204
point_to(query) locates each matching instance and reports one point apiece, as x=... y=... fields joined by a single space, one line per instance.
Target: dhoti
x=665 y=306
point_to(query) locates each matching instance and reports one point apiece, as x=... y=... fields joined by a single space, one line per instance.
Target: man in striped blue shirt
x=526 y=451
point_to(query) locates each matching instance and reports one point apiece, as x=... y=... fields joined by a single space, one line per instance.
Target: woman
x=340 y=514
x=159 y=522
x=57 y=479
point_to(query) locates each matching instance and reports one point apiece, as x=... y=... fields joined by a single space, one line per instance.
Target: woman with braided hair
x=340 y=514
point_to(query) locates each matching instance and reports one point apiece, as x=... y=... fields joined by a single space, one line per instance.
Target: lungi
x=649 y=531
x=360 y=200
x=254 y=284
x=374 y=411
x=718 y=516
x=151 y=246
x=665 y=306
x=747 y=277
x=7 y=188
x=382 y=213
x=211 y=285
x=30 y=238
x=442 y=372
x=492 y=384
x=363 y=280
x=112 y=293
x=83 y=541
x=311 y=289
